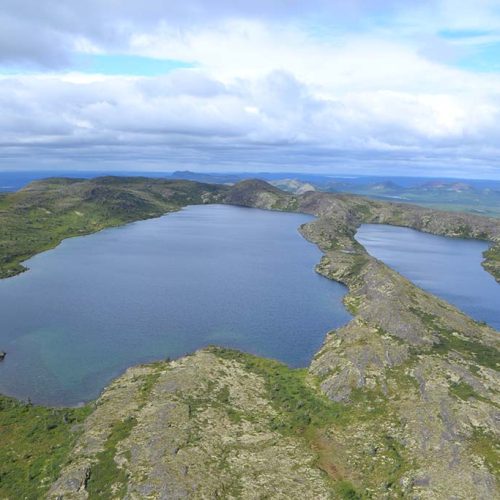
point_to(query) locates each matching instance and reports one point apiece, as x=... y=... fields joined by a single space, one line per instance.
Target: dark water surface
x=223 y=275
x=447 y=267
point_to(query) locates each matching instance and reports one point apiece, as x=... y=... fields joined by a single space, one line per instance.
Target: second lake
x=447 y=267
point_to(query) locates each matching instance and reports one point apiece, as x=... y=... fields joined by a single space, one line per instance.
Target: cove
x=449 y=268
x=224 y=275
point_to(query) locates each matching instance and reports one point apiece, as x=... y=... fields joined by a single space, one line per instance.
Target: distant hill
x=208 y=178
x=479 y=197
x=293 y=186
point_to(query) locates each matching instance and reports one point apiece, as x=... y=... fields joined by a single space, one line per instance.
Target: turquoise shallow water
x=95 y=305
x=447 y=267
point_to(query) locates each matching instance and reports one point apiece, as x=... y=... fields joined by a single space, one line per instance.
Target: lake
x=224 y=275
x=447 y=267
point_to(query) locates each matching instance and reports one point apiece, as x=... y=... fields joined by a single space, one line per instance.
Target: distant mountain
x=473 y=196
x=447 y=186
x=385 y=186
x=293 y=185
x=464 y=196
x=187 y=175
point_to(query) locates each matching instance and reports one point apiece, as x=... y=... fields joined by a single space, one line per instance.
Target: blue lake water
x=231 y=276
x=449 y=268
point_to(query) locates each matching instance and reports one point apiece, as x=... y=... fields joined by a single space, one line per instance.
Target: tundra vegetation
x=401 y=401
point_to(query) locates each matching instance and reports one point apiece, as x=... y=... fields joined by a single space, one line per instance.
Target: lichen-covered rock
x=201 y=429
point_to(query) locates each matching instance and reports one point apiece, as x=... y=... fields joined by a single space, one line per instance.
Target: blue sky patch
x=482 y=58
x=121 y=64
x=461 y=34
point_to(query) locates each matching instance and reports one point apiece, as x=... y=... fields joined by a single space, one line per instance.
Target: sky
x=365 y=87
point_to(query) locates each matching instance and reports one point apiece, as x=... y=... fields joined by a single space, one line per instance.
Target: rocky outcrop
x=199 y=427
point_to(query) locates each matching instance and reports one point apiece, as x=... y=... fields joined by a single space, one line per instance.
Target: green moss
x=396 y=464
x=482 y=354
x=352 y=303
x=463 y=391
x=430 y=321
x=464 y=231
x=366 y=404
x=346 y=491
x=358 y=262
x=107 y=480
x=299 y=406
x=35 y=443
x=293 y=204
x=224 y=400
x=364 y=211
x=148 y=384
x=487 y=446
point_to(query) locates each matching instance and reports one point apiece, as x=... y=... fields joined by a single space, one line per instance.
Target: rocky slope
x=200 y=427
x=403 y=401
x=429 y=372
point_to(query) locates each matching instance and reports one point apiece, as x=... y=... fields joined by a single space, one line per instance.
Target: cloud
x=46 y=32
x=275 y=121
x=274 y=85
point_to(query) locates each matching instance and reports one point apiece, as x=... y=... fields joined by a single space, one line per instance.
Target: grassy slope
x=39 y=216
x=35 y=442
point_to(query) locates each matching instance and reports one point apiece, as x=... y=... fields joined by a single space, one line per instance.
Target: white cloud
x=274 y=85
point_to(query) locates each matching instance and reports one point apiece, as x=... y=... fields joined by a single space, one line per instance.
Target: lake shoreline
x=288 y=203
